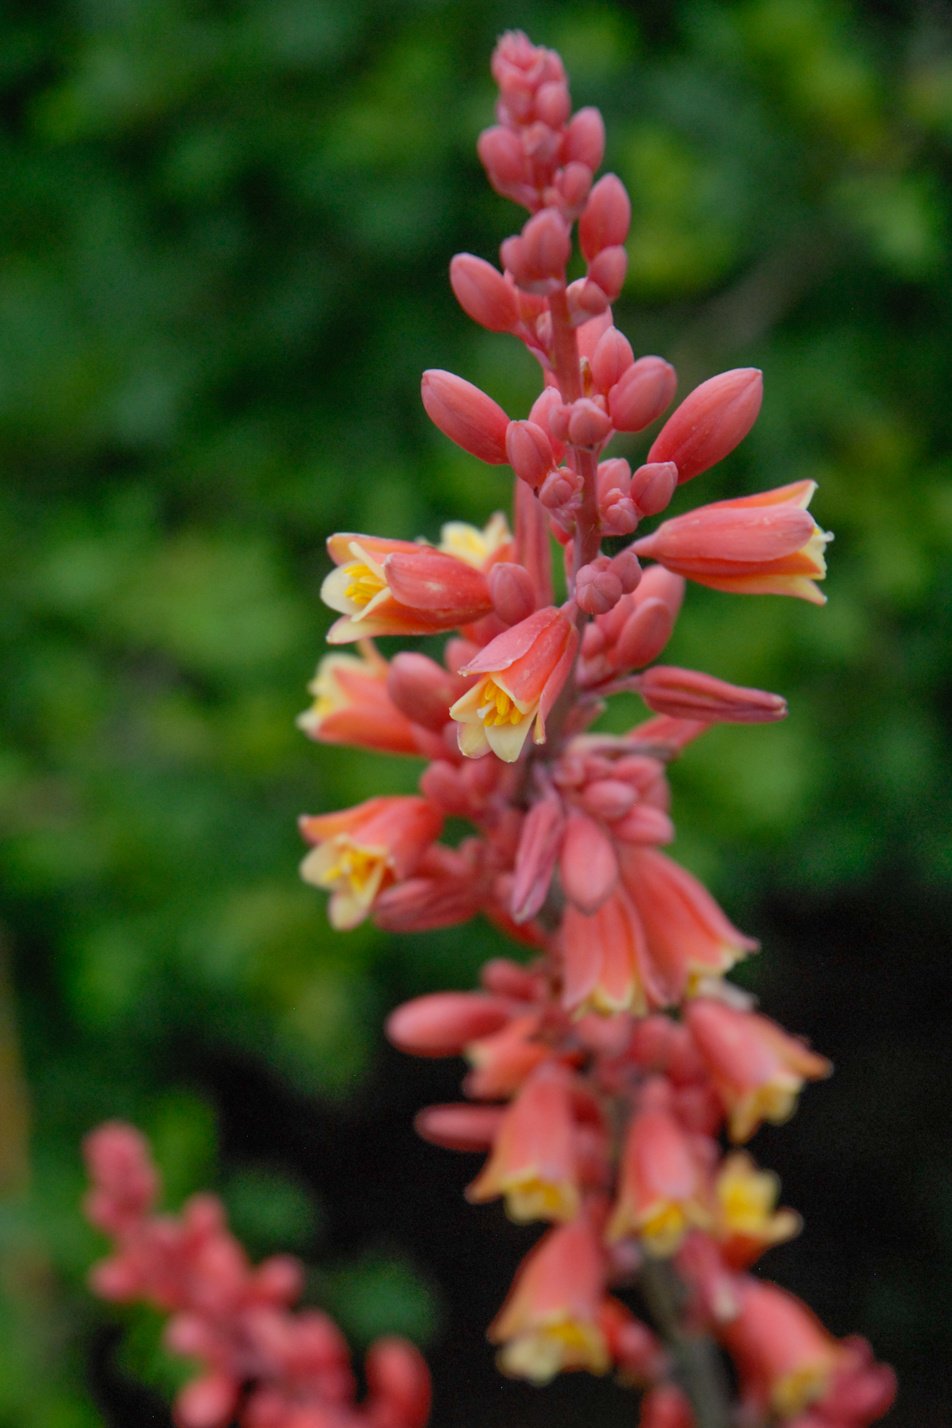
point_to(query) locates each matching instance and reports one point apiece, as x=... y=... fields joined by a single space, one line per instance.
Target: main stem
x=699 y=1364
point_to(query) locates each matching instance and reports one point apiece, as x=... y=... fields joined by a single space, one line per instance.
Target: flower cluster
x=607 y=1071
x=262 y=1365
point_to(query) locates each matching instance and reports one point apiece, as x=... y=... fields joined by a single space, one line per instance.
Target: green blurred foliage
x=227 y=230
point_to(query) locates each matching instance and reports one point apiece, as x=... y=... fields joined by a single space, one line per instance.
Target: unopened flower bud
x=552 y=103
x=543 y=413
x=559 y=488
x=710 y=422
x=536 y=258
x=459 y=1127
x=589 y=425
x=539 y=844
x=585 y=139
x=466 y=415
x=606 y=218
x=653 y=485
x=597 y=587
x=442 y=1023
x=529 y=451
x=573 y=186
x=422 y=689
x=501 y=155
x=588 y=865
x=484 y=293
x=641 y=395
x=689 y=694
x=627 y=567
x=586 y=300
x=608 y=270
x=513 y=592
x=611 y=359
x=398 y=1383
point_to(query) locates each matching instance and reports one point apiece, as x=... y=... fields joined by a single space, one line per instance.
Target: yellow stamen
x=363 y=583
x=498 y=707
x=355 y=867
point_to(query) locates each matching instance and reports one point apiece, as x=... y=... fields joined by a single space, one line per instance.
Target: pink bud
x=585 y=139
x=537 y=258
x=529 y=451
x=552 y=103
x=442 y=1023
x=466 y=415
x=688 y=694
x=642 y=395
x=627 y=567
x=539 y=844
x=543 y=408
x=589 y=424
x=559 y=488
x=501 y=155
x=653 y=485
x=644 y=634
x=399 y=1383
x=572 y=187
x=611 y=359
x=666 y=1406
x=608 y=798
x=422 y=689
x=597 y=588
x=459 y=1127
x=484 y=293
x=608 y=271
x=586 y=300
x=606 y=217
x=588 y=867
x=710 y=422
x=207 y=1402
x=644 y=824
x=513 y=592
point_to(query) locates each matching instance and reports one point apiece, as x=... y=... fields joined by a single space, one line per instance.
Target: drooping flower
x=533 y=1163
x=352 y=705
x=550 y=1322
x=522 y=672
x=786 y=1358
x=766 y=544
x=663 y=1191
x=747 y=1221
x=757 y=1068
x=360 y=850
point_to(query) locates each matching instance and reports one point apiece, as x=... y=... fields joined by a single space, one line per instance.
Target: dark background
x=226 y=230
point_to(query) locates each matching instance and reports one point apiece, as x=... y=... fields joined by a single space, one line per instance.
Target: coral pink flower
x=689 y=694
x=758 y=1070
x=606 y=964
x=533 y=1161
x=688 y=935
x=550 y=1322
x=352 y=705
x=522 y=673
x=786 y=1358
x=766 y=544
x=747 y=1221
x=663 y=1191
x=466 y=415
x=398 y=587
x=360 y=850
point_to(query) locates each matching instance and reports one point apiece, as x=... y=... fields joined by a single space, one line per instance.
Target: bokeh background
x=226 y=231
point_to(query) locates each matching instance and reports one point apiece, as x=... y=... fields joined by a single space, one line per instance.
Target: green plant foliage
x=228 y=224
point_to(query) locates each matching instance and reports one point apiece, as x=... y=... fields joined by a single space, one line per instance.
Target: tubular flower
x=533 y=1160
x=766 y=544
x=757 y=1069
x=479 y=548
x=607 y=967
x=352 y=705
x=663 y=1191
x=786 y=1357
x=551 y=1321
x=522 y=672
x=746 y=1219
x=361 y=850
x=399 y=587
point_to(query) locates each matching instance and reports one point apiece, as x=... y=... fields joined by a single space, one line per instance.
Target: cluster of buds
x=262 y=1364
x=608 y=1070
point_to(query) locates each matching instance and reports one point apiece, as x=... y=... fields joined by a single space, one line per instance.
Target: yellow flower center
x=533 y=1198
x=498 y=707
x=363 y=583
x=663 y=1228
x=355 y=867
x=797 y=1390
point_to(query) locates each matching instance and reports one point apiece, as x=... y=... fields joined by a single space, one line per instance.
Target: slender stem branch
x=699 y=1365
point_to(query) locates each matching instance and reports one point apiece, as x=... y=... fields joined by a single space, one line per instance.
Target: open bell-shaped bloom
x=399 y=587
x=688 y=934
x=747 y=1221
x=785 y=1357
x=663 y=1191
x=352 y=705
x=606 y=962
x=766 y=544
x=550 y=1322
x=361 y=850
x=757 y=1068
x=533 y=1160
x=522 y=672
